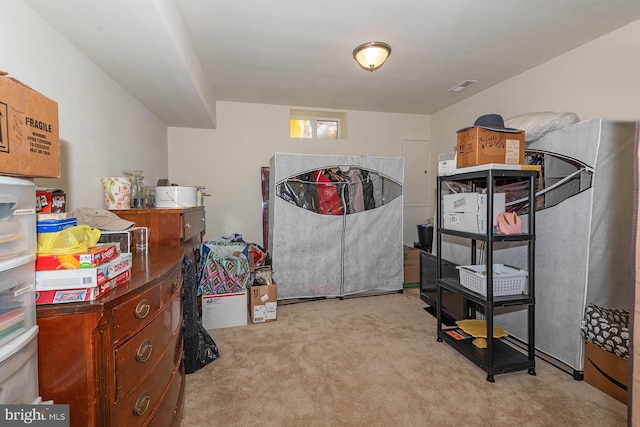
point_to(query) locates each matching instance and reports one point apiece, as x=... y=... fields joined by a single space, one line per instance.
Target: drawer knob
x=142 y=309
x=144 y=351
x=142 y=404
x=187 y=225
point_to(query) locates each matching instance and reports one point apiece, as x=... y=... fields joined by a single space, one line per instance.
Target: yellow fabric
x=478 y=328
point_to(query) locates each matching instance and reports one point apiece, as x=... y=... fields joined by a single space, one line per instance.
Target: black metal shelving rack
x=498 y=357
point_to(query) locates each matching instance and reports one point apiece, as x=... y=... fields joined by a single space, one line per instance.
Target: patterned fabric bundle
x=608 y=329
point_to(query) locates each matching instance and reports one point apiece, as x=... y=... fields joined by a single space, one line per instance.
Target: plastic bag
x=199 y=347
x=224 y=266
x=68 y=241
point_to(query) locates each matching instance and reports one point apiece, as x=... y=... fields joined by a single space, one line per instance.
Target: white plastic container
x=19 y=369
x=17 y=296
x=18 y=217
x=176 y=197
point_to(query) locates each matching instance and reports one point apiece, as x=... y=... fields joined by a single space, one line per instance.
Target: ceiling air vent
x=462 y=85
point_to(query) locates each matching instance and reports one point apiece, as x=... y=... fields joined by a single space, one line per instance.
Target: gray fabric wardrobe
x=335 y=255
x=583 y=242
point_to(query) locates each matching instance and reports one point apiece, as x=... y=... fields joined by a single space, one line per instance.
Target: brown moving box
x=411 y=266
x=479 y=146
x=29 y=136
x=263 y=303
x=606 y=371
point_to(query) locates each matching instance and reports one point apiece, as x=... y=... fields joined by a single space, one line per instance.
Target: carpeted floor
x=374 y=361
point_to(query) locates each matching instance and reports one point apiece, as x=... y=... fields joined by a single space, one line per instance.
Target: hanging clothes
x=299 y=190
x=328 y=199
x=376 y=180
x=367 y=190
x=356 y=196
x=340 y=180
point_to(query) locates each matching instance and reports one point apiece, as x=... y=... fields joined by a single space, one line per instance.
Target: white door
x=417 y=186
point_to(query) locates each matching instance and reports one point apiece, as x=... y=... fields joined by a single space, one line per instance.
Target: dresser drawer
x=137 y=406
x=166 y=414
x=172 y=285
x=193 y=223
x=134 y=314
x=141 y=353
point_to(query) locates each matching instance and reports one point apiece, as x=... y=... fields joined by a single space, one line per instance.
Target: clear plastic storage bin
x=17 y=296
x=19 y=369
x=17 y=217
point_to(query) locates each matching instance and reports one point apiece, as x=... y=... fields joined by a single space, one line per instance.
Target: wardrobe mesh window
x=338 y=190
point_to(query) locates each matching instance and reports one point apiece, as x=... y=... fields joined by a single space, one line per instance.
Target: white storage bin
x=506 y=280
x=176 y=197
x=17 y=216
x=19 y=369
x=17 y=296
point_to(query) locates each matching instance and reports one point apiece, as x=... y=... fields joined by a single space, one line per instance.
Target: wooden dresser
x=170 y=226
x=118 y=361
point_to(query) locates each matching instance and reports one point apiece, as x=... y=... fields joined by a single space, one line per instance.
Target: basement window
x=316 y=125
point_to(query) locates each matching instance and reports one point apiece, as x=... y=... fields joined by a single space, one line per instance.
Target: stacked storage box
x=18 y=329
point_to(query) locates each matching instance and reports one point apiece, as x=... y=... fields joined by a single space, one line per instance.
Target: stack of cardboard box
x=468 y=211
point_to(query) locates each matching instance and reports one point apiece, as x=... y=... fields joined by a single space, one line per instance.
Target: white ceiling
x=178 y=57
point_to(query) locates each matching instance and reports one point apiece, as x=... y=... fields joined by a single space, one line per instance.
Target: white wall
x=227 y=160
x=597 y=79
x=103 y=129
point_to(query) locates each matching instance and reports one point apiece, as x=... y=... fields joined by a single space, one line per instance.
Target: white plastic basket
x=506 y=280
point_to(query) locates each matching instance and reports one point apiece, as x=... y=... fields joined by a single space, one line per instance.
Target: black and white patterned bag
x=608 y=328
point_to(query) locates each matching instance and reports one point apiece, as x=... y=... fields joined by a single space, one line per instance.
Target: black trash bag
x=199 y=347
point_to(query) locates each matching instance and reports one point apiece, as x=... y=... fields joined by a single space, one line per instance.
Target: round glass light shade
x=372 y=55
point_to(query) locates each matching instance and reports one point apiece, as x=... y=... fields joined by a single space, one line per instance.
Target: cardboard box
x=50 y=200
x=479 y=146
x=411 y=265
x=468 y=211
x=464 y=221
x=263 y=303
x=80 y=278
x=29 y=135
x=58 y=296
x=473 y=202
x=224 y=310
x=606 y=371
x=93 y=257
x=55 y=225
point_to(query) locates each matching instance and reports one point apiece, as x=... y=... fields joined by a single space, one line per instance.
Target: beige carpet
x=374 y=361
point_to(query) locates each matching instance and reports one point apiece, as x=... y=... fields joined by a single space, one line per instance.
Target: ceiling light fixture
x=372 y=55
